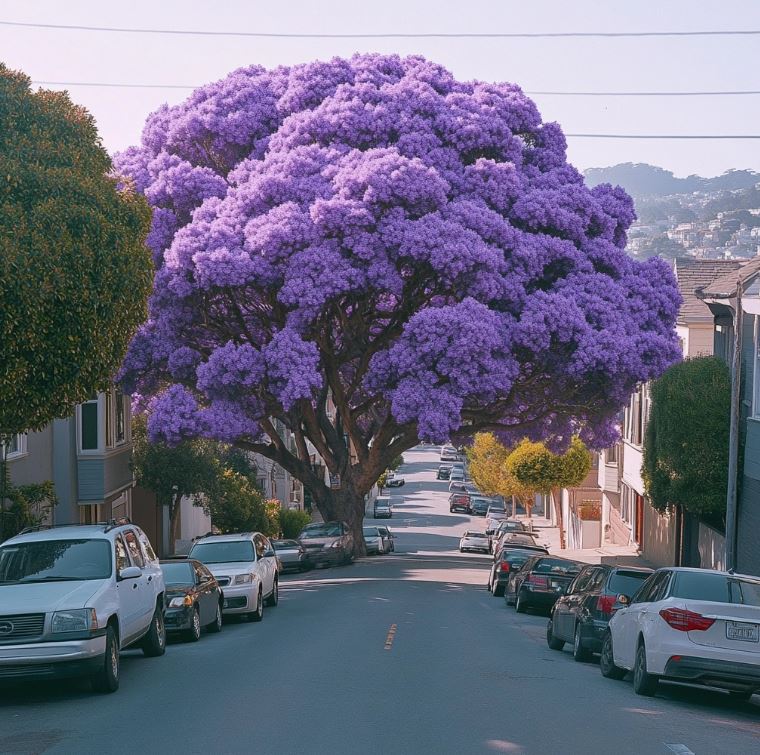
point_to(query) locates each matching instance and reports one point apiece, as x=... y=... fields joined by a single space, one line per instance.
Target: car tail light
x=604 y=603
x=505 y=566
x=686 y=621
x=537 y=581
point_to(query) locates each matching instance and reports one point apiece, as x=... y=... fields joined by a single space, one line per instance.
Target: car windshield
x=627 y=582
x=322 y=530
x=178 y=574
x=475 y=534
x=556 y=566
x=284 y=544
x=227 y=551
x=370 y=532
x=716 y=588
x=55 y=561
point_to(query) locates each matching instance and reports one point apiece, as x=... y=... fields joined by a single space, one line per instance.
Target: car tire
x=520 y=603
x=741 y=696
x=154 y=643
x=607 y=660
x=507 y=599
x=581 y=654
x=644 y=683
x=258 y=614
x=553 y=642
x=106 y=678
x=497 y=590
x=216 y=624
x=274 y=598
x=194 y=633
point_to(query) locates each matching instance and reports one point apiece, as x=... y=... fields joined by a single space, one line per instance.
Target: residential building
x=722 y=296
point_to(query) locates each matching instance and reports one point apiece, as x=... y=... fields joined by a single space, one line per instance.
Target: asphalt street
x=404 y=653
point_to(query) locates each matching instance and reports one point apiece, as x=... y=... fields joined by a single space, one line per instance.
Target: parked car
x=388 y=535
x=193 y=598
x=456 y=475
x=395 y=481
x=687 y=625
x=479 y=505
x=507 y=561
x=72 y=597
x=443 y=472
x=449 y=453
x=582 y=614
x=503 y=527
x=328 y=543
x=515 y=539
x=376 y=541
x=382 y=508
x=291 y=554
x=474 y=541
x=523 y=545
x=493 y=517
x=540 y=581
x=459 y=502
x=463 y=487
x=245 y=566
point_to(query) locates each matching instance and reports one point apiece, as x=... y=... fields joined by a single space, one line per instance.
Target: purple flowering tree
x=367 y=252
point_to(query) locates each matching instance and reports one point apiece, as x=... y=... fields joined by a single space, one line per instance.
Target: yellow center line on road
x=390 y=637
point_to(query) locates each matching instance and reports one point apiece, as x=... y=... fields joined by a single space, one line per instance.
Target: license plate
x=739 y=630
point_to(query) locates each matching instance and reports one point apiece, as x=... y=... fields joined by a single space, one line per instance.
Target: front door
x=130 y=595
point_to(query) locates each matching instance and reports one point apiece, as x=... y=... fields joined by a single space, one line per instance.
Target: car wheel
x=741 y=695
x=258 y=614
x=194 y=633
x=580 y=653
x=216 y=624
x=507 y=599
x=274 y=598
x=607 y=660
x=644 y=683
x=106 y=678
x=553 y=642
x=520 y=603
x=154 y=643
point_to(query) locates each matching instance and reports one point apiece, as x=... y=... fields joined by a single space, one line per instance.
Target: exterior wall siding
x=117 y=472
x=90 y=480
x=36 y=465
x=747 y=548
x=659 y=537
x=712 y=548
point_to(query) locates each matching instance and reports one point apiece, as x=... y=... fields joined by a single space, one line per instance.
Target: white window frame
x=21 y=447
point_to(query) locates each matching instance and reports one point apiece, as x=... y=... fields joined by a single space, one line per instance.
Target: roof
x=691 y=274
x=725 y=286
x=74 y=532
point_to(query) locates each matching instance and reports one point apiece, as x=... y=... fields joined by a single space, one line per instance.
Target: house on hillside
x=627 y=516
x=731 y=298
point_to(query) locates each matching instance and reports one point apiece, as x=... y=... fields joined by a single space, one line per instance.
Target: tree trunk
x=345 y=504
x=514 y=507
x=174 y=522
x=557 y=499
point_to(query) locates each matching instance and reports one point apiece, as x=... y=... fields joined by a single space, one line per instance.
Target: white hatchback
x=690 y=625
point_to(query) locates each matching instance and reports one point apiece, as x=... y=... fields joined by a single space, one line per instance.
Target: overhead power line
x=129 y=85
x=391 y=35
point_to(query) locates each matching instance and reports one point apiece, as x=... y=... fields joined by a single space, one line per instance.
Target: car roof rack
x=109 y=525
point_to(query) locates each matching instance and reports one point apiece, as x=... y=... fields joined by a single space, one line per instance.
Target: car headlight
x=78 y=620
x=335 y=544
x=181 y=602
x=243 y=579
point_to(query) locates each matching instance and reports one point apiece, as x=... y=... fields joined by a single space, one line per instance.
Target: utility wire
x=716 y=93
x=392 y=35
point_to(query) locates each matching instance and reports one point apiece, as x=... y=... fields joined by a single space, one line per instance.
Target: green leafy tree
x=292 y=522
x=686 y=442
x=25 y=505
x=235 y=504
x=190 y=468
x=75 y=272
x=540 y=470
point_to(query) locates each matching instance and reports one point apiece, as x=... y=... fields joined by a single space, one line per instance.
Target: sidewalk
x=607 y=553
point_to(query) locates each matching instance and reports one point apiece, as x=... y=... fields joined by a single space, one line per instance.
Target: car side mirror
x=269 y=552
x=623 y=600
x=131 y=572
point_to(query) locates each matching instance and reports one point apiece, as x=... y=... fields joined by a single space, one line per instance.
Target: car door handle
x=150 y=578
x=134 y=585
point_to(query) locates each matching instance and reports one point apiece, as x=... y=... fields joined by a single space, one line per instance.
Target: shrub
x=292 y=522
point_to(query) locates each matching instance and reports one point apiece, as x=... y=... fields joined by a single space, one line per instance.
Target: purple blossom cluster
x=377 y=216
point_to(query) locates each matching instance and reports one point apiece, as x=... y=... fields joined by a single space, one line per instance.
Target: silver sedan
x=291 y=555
x=474 y=541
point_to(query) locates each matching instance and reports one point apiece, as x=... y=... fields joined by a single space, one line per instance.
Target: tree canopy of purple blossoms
x=370 y=249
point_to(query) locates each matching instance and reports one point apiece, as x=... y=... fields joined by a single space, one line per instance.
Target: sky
x=555 y=64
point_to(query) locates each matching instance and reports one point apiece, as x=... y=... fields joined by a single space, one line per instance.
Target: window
x=134 y=549
x=122 y=559
x=17 y=446
x=611 y=455
x=120 y=419
x=89 y=426
x=109 y=419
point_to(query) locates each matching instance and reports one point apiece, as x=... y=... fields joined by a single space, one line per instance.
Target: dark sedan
x=507 y=561
x=479 y=505
x=444 y=472
x=540 y=581
x=193 y=598
x=292 y=555
x=582 y=615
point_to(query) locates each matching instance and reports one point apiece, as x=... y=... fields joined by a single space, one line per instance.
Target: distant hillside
x=642 y=180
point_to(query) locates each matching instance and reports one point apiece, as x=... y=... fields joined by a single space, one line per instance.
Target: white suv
x=71 y=597
x=690 y=625
x=245 y=566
